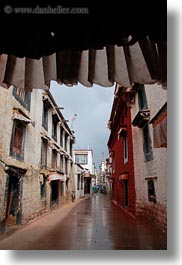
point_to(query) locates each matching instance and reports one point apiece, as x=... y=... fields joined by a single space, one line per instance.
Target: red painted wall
x=120 y=167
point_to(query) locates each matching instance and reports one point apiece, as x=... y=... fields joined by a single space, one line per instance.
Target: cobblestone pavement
x=94 y=223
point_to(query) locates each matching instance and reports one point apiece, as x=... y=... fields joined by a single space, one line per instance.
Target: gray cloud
x=93 y=107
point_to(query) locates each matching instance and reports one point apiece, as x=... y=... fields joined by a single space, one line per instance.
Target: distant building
x=36 y=163
x=84 y=158
x=104 y=176
x=79 y=181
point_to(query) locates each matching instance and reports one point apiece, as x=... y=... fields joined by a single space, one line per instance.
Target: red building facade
x=121 y=151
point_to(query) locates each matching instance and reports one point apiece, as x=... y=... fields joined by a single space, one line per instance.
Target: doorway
x=13 y=209
x=87 y=184
x=54 y=192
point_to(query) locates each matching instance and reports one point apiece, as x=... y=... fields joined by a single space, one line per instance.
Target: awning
x=87 y=48
x=160 y=134
x=159 y=123
x=123 y=65
x=19 y=116
x=55 y=176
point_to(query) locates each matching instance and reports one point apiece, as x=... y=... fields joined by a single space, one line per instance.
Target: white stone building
x=84 y=158
x=150 y=159
x=79 y=181
x=36 y=164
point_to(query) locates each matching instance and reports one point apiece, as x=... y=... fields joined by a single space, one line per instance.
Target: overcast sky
x=93 y=107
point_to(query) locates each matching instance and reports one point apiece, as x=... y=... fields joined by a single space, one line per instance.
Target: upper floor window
x=71 y=148
x=61 y=136
x=44 y=146
x=66 y=166
x=61 y=162
x=45 y=116
x=55 y=121
x=54 y=159
x=125 y=147
x=17 y=140
x=81 y=159
x=147 y=145
x=66 y=141
x=142 y=99
x=23 y=97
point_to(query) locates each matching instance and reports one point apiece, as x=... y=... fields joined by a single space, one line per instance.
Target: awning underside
x=144 y=62
x=55 y=176
x=114 y=42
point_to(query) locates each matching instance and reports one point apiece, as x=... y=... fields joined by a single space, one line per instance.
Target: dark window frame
x=61 y=136
x=66 y=141
x=54 y=159
x=16 y=151
x=125 y=147
x=142 y=98
x=44 y=148
x=147 y=144
x=24 y=100
x=45 y=111
x=55 y=121
x=151 y=191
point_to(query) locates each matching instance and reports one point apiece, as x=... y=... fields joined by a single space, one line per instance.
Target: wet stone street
x=93 y=223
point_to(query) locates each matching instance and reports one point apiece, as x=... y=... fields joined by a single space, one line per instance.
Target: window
x=61 y=136
x=17 y=140
x=125 y=147
x=45 y=116
x=151 y=191
x=66 y=166
x=65 y=142
x=142 y=99
x=23 y=97
x=54 y=159
x=71 y=148
x=44 y=146
x=55 y=121
x=81 y=159
x=147 y=146
x=61 y=162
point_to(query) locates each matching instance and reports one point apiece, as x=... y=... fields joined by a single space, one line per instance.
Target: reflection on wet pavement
x=96 y=223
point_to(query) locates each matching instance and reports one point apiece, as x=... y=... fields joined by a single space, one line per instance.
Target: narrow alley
x=92 y=223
